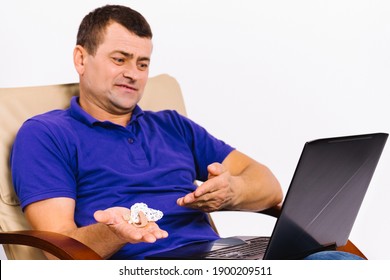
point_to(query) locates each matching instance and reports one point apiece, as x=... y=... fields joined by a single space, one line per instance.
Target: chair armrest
x=59 y=245
x=273 y=211
x=349 y=247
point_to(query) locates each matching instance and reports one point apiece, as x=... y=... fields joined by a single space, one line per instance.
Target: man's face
x=113 y=80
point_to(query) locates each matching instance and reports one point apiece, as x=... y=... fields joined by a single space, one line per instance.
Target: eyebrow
x=131 y=56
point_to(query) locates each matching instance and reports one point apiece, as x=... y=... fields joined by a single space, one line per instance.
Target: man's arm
x=105 y=237
x=239 y=183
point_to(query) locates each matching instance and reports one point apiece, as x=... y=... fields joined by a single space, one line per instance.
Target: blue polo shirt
x=155 y=159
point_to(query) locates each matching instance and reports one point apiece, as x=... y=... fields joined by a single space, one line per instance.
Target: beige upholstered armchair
x=17 y=105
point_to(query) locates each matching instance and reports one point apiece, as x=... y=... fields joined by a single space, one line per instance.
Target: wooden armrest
x=351 y=248
x=59 y=245
x=273 y=211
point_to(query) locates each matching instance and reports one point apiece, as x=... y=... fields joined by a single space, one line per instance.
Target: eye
x=118 y=60
x=143 y=66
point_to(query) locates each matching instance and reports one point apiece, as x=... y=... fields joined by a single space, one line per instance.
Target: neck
x=102 y=115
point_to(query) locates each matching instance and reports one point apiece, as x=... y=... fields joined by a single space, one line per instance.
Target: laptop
x=320 y=207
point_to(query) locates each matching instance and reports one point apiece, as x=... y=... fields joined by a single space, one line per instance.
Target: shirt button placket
x=135 y=148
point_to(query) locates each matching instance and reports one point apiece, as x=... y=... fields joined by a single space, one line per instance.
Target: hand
x=214 y=194
x=114 y=218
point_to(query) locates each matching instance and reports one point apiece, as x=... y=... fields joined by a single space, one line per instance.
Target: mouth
x=127 y=87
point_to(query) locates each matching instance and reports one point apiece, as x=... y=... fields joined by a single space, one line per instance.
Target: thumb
x=215 y=169
x=103 y=217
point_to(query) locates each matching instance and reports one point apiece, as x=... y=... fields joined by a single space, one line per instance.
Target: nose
x=131 y=72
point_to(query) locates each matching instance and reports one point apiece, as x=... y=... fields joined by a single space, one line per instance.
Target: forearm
x=57 y=214
x=255 y=188
x=99 y=238
x=253 y=185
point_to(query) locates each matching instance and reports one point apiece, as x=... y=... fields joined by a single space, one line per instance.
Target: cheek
x=105 y=79
x=143 y=79
x=100 y=70
x=142 y=83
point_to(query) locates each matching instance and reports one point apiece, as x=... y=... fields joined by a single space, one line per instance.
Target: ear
x=79 y=56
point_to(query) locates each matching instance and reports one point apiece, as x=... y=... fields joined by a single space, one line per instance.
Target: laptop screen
x=325 y=194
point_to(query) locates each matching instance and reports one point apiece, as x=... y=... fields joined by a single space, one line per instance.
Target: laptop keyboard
x=252 y=248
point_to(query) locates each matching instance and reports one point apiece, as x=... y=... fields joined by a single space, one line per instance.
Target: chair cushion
x=17 y=105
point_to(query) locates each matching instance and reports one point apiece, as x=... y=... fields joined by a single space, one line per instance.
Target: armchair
x=17 y=105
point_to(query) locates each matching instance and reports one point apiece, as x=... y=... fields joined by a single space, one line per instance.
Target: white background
x=265 y=76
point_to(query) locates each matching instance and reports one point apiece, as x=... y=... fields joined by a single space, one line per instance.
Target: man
x=78 y=171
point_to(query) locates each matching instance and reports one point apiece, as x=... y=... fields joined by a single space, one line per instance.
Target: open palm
x=115 y=218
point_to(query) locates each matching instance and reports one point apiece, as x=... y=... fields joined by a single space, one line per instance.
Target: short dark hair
x=93 y=26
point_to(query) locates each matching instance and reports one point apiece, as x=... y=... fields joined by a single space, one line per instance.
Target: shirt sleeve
x=205 y=147
x=40 y=164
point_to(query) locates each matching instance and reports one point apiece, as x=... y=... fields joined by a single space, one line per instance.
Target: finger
x=149 y=238
x=103 y=217
x=164 y=234
x=207 y=187
x=187 y=199
x=186 y=203
x=159 y=233
x=154 y=234
x=180 y=201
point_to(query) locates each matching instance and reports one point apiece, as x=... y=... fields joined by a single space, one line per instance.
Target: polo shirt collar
x=78 y=113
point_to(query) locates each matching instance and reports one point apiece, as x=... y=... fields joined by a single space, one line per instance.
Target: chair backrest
x=19 y=104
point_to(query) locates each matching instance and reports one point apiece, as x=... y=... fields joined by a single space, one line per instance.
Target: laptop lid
x=325 y=194
x=321 y=204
